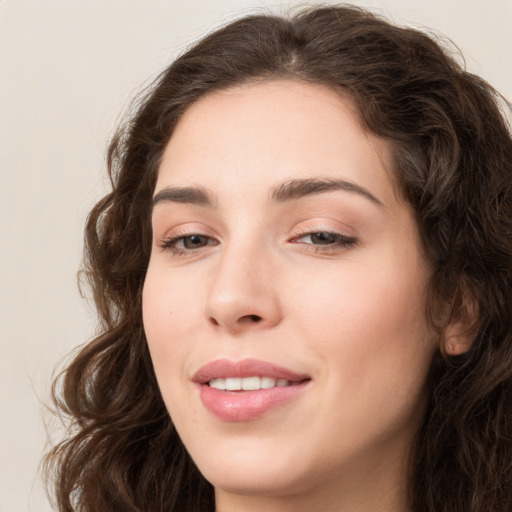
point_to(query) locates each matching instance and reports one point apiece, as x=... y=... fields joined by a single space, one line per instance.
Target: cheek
x=373 y=352
x=169 y=316
x=170 y=302
x=368 y=323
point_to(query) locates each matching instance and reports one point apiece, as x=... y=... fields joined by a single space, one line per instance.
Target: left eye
x=187 y=243
x=326 y=238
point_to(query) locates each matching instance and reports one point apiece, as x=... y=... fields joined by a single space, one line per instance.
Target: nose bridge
x=243 y=292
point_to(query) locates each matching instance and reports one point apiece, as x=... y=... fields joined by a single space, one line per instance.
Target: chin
x=254 y=473
x=267 y=482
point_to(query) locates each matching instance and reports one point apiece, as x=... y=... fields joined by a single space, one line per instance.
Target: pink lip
x=224 y=368
x=246 y=405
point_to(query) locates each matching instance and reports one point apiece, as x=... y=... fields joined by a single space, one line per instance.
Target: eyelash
x=339 y=242
x=169 y=244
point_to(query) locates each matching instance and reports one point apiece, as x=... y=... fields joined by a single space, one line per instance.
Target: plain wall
x=68 y=69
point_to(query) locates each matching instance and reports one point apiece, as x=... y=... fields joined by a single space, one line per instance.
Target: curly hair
x=452 y=161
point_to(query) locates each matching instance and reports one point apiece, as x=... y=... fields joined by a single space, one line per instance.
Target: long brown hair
x=452 y=162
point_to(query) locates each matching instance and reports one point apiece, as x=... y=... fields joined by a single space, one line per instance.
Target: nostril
x=249 y=319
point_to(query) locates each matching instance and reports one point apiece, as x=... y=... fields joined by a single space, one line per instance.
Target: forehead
x=255 y=134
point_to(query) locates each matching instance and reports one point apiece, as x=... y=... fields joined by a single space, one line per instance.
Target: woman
x=303 y=280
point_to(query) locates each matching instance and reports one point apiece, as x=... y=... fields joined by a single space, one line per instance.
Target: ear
x=462 y=326
x=456 y=339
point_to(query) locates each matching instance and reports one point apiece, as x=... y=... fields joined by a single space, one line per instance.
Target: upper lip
x=224 y=368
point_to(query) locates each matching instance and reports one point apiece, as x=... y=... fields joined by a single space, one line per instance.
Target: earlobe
x=455 y=340
x=461 y=328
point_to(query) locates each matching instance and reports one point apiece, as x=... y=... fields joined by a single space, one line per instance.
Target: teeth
x=267 y=382
x=251 y=383
x=233 y=384
x=218 y=383
x=247 y=383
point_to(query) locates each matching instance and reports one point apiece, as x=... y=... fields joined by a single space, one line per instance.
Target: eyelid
x=186 y=229
x=326 y=225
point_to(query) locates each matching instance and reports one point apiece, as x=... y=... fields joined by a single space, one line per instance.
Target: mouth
x=246 y=390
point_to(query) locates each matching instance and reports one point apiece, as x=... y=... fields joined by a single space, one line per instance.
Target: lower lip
x=247 y=405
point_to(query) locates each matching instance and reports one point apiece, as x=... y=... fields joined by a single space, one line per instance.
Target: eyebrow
x=286 y=191
x=185 y=195
x=297 y=188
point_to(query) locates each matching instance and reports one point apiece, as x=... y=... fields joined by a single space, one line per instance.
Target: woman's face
x=283 y=263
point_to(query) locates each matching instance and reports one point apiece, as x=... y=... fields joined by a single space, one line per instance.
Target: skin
x=259 y=285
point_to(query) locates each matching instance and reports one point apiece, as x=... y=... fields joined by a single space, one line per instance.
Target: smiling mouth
x=246 y=390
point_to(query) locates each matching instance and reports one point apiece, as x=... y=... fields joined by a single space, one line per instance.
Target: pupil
x=193 y=241
x=323 y=238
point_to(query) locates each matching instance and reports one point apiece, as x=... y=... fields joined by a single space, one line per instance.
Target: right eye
x=188 y=243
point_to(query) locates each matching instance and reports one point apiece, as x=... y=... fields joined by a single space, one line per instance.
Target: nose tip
x=243 y=297
x=243 y=312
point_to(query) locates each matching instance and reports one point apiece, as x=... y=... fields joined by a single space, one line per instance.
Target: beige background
x=67 y=70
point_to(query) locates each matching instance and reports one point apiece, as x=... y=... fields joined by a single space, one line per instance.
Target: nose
x=243 y=294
